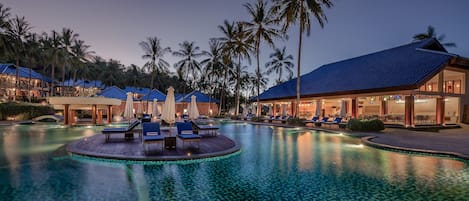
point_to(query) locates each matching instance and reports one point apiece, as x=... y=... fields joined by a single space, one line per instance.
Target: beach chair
x=186 y=133
x=206 y=129
x=336 y=121
x=151 y=135
x=313 y=120
x=128 y=131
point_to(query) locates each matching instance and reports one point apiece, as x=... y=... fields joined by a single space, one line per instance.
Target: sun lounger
x=186 y=133
x=313 y=120
x=128 y=131
x=151 y=135
x=202 y=129
x=336 y=121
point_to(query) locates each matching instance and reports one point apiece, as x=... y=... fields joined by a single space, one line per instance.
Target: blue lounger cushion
x=189 y=136
x=153 y=137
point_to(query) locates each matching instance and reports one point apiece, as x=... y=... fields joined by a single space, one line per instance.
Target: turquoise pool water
x=274 y=164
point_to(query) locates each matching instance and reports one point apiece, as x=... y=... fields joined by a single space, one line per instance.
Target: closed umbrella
x=193 y=111
x=139 y=108
x=343 y=111
x=129 y=106
x=318 y=108
x=154 y=111
x=169 y=107
x=284 y=110
x=270 y=111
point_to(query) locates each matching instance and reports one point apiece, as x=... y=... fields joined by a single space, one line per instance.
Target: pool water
x=275 y=163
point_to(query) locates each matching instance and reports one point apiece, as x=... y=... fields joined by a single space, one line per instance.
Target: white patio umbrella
x=129 y=106
x=169 y=107
x=154 y=111
x=270 y=111
x=318 y=108
x=343 y=111
x=284 y=109
x=193 y=111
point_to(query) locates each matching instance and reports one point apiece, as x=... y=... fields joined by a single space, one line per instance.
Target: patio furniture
x=186 y=133
x=209 y=129
x=323 y=120
x=152 y=135
x=313 y=120
x=127 y=131
x=336 y=121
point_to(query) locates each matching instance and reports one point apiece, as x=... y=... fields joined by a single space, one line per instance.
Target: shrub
x=365 y=125
x=295 y=121
x=23 y=111
x=257 y=119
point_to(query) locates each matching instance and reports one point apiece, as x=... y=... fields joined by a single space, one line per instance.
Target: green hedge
x=365 y=125
x=257 y=119
x=23 y=111
x=295 y=121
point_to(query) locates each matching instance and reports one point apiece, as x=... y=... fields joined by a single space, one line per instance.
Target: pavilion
x=414 y=84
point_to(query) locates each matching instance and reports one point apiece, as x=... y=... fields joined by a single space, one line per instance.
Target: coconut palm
x=154 y=52
x=17 y=32
x=260 y=28
x=52 y=45
x=432 y=34
x=66 y=57
x=213 y=65
x=300 y=11
x=80 y=56
x=33 y=54
x=279 y=63
x=188 y=65
x=236 y=43
x=4 y=19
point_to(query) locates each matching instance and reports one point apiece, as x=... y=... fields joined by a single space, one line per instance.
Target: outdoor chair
x=152 y=135
x=336 y=121
x=313 y=120
x=126 y=130
x=210 y=129
x=186 y=133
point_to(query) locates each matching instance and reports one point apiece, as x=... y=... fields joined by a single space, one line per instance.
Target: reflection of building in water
x=304 y=150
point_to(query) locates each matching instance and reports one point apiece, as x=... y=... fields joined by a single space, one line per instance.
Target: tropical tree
x=81 y=55
x=432 y=34
x=154 y=52
x=66 y=57
x=17 y=32
x=300 y=11
x=279 y=63
x=34 y=56
x=213 y=66
x=236 y=43
x=260 y=28
x=52 y=45
x=188 y=65
x=4 y=24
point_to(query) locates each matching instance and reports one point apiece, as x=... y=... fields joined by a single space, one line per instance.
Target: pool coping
x=70 y=148
x=367 y=141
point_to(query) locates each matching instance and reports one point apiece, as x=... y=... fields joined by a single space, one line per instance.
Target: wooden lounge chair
x=186 y=133
x=210 y=129
x=151 y=135
x=128 y=131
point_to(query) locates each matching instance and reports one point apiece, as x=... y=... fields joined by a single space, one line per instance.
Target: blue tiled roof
x=155 y=93
x=137 y=90
x=85 y=84
x=403 y=67
x=114 y=92
x=200 y=97
x=22 y=72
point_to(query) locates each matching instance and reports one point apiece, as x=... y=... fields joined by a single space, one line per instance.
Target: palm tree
x=52 y=45
x=260 y=28
x=33 y=55
x=432 y=34
x=67 y=39
x=213 y=65
x=188 y=65
x=237 y=43
x=293 y=11
x=17 y=32
x=154 y=52
x=280 y=62
x=80 y=56
x=4 y=24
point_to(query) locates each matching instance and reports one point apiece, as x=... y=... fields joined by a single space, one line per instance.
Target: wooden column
x=66 y=114
x=71 y=118
x=384 y=108
x=409 y=111
x=93 y=114
x=354 y=108
x=109 y=114
x=440 y=111
x=293 y=109
x=100 y=117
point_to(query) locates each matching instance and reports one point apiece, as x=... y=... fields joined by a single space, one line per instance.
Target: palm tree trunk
x=258 y=79
x=238 y=80
x=29 y=84
x=52 y=86
x=62 y=93
x=298 y=82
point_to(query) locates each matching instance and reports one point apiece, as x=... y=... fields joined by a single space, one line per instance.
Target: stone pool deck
x=119 y=148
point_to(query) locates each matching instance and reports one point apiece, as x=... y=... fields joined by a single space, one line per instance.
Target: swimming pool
x=275 y=164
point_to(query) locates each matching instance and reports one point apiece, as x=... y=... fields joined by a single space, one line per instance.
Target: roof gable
x=155 y=94
x=199 y=97
x=114 y=92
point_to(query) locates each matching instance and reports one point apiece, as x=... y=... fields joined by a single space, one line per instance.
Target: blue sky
x=114 y=28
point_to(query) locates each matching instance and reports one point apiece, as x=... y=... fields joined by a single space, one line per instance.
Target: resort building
x=205 y=104
x=414 y=84
x=31 y=84
x=81 y=87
